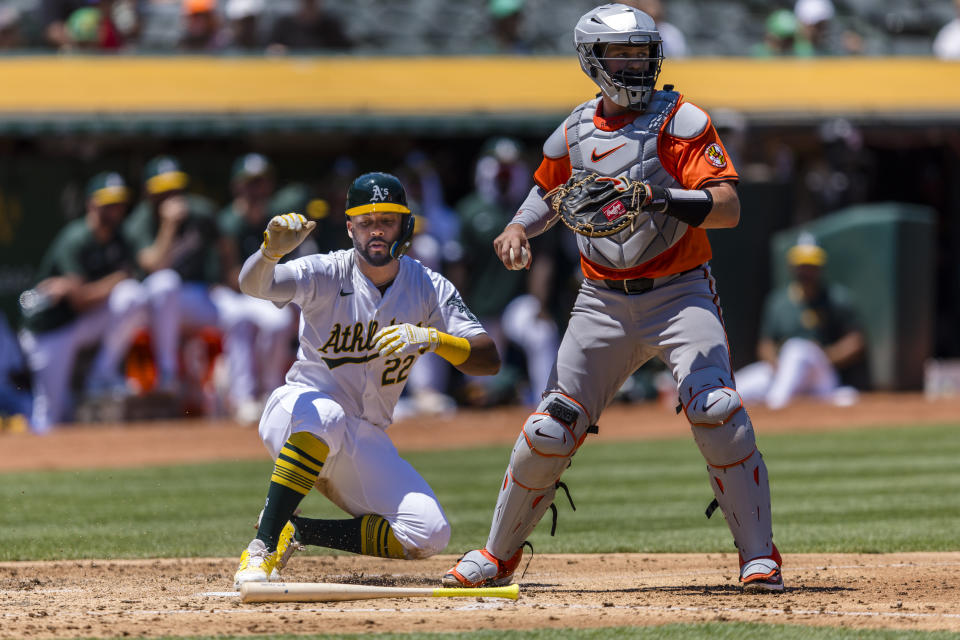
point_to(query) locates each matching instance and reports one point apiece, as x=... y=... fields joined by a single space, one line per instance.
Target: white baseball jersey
x=341 y=312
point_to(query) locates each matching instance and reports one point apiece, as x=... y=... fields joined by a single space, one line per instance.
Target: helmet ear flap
x=398 y=248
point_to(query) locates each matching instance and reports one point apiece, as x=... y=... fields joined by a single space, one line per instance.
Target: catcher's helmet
x=382 y=192
x=623 y=25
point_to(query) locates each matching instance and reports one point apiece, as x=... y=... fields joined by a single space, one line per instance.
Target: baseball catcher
x=638 y=174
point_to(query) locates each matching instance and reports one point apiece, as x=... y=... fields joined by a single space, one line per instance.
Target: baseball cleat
x=762 y=574
x=256 y=564
x=480 y=568
x=287 y=545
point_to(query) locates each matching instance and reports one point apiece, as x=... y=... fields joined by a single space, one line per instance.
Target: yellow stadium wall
x=399 y=86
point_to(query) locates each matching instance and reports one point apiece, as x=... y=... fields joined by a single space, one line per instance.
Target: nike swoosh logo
x=709 y=406
x=346 y=293
x=544 y=435
x=598 y=157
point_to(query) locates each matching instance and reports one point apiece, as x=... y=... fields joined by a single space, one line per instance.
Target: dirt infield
x=149 y=598
x=179 y=597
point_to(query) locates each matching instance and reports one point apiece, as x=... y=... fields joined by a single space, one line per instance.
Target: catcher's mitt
x=595 y=205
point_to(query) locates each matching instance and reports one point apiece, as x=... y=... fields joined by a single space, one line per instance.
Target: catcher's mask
x=631 y=83
x=382 y=192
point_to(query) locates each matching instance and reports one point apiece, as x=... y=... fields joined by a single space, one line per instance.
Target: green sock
x=296 y=470
x=369 y=535
x=281 y=503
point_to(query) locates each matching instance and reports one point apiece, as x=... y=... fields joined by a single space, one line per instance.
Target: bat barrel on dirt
x=333 y=592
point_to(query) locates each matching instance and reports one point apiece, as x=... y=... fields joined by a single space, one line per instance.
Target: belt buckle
x=626 y=289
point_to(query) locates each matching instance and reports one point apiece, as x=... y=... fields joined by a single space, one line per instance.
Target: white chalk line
x=498 y=605
x=484 y=605
x=791 y=568
x=23 y=592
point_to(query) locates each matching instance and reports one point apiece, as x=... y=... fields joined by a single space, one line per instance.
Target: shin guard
x=738 y=476
x=550 y=437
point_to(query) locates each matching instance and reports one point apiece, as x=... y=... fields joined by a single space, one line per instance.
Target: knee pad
x=708 y=397
x=727 y=443
x=721 y=427
x=550 y=437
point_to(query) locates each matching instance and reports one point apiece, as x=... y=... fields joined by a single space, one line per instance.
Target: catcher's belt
x=635 y=286
x=630 y=287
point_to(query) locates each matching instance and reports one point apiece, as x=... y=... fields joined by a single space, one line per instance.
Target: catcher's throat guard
x=598 y=206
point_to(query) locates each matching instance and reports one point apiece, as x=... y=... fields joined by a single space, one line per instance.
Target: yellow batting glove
x=405 y=338
x=284 y=234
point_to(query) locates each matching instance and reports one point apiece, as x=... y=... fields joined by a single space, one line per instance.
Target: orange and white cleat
x=480 y=568
x=762 y=574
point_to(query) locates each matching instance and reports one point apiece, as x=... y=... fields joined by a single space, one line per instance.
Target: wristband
x=691 y=206
x=453 y=349
x=263 y=250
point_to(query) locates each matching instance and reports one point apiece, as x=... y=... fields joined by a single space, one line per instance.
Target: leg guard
x=738 y=476
x=550 y=436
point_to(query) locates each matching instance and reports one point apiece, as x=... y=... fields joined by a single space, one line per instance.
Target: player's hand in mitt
x=403 y=339
x=595 y=205
x=284 y=234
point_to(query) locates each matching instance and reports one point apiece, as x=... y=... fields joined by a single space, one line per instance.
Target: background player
x=648 y=292
x=260 y=334
x=810 y=332
x=86 y=295
x=178 y=249
x=367 y=314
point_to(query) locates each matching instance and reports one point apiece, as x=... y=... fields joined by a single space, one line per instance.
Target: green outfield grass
x=865 y=490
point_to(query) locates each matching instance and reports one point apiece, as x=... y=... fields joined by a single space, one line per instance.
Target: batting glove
x=284 y=234
x=404 y=338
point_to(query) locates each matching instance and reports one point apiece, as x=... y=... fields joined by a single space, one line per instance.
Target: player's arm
x=714 y=207
x=261 y=276
x=533 y=218
x=725 y=211
x=535 y=215
x=87 y=295
x=692 y=152
x=484 y=360
x=847 y=350
x=767 y=350
x=172 y=212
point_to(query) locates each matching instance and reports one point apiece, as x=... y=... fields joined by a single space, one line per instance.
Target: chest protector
x=630 y=150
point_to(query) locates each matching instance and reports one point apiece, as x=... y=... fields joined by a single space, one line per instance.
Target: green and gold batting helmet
x=382 y=193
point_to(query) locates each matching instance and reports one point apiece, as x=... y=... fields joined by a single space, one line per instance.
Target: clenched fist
x=284 y=234
x=404 y=338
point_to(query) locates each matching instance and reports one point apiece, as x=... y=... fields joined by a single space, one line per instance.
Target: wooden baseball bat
x=333 y=592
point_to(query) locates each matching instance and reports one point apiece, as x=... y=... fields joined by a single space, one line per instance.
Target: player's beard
x=378 y=260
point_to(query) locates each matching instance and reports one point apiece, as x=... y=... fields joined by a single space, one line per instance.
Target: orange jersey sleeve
x=553 y=172
x=696 y=162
